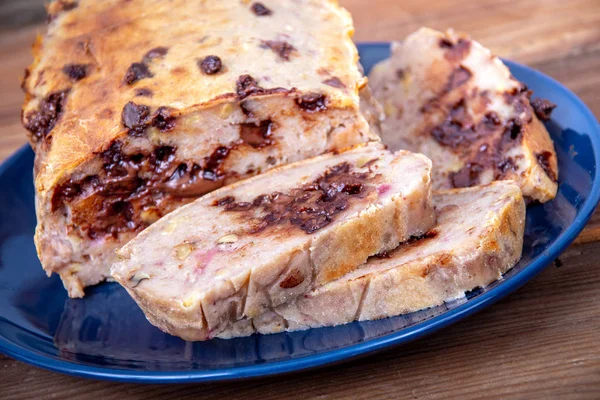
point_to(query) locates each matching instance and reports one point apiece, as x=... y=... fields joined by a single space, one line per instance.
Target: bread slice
x=479 y=236
x=261 y=242
x=446 y=96
x=137 y=107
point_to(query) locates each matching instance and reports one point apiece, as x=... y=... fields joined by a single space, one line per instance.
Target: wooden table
x=541 y=342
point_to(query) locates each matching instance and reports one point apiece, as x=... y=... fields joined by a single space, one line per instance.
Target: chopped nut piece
x=169 y=228
x=226 y=110
x=75 y=267
x=150 y=215
x=389 y=109
x=189 y=301
x=183 y=250
x=361 y=162
x=228 y=239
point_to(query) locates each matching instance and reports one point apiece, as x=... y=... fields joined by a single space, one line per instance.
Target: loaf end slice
x=448 y=97
x=262 y=242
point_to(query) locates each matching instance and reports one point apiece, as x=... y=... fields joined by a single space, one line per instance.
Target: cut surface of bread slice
x=446 y=96
x=137 y=107
x=261 y=242
x=478 y=237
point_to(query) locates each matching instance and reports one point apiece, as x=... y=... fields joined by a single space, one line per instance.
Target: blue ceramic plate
x=106 y=336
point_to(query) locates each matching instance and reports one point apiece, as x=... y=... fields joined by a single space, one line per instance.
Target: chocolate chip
x=514 y=128
x=467 y=176
x=260 y=9
x=164 y=119
x=143 y=92
x=517 y=98
x=212 y=164
x=543 y=108
x=241 y=206
x=136 y=72
x=156 y=52
x=224 y=201
x=210 y=65
x=42 y=121
x=543 y=159
x=455 y=51
x=64 y=193
x=458 y=129
x=446 y=43
x=135 y=118
x=246 y=85
x=256 y=135
x=334 y=82
x=457 y=78
x=75 y=72
x=162 y=158
x=113 y=154
x=491 y=118
x=282 y=48
x=309 y=207
x=312 y=102
x=506 y=165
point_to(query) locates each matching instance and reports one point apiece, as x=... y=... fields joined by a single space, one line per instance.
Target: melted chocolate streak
x=121 y=188
x=483 y=143
x=310 y=207
x=131 y=183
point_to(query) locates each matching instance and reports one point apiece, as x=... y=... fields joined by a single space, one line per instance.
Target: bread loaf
x=262 y=242
x=137 y=107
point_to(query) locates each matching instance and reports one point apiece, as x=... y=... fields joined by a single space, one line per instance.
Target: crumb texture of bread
x=137 y=107
x=478 y=237
x=260 y=243
x=446 y=96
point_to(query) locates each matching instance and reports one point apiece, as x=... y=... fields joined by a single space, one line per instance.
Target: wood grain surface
x=541 y=342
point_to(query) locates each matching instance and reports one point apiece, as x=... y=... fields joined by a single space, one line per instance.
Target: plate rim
x=366 y=347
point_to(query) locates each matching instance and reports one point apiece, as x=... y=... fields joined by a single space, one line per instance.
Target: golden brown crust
x=137 y=107
x=109 y=36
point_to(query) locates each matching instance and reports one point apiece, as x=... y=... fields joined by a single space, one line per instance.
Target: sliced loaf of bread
x=479 y=236
x=259 y=243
